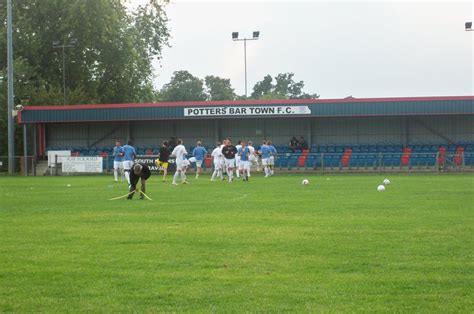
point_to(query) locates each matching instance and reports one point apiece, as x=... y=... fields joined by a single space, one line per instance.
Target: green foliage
x=219 y=88
x=263 y=87
x=283 y=88
x=267 y=245
x=110 y=62
x=183 y=86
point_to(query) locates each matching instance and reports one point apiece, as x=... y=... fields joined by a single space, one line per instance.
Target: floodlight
x=235 y=35
x=256 y=34
x=468 y=26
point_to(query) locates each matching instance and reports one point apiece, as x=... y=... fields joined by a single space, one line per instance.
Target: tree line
x=184 y=86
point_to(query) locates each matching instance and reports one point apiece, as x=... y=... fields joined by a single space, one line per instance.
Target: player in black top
x=139 y=171
x=229 y=152
x=162 y=160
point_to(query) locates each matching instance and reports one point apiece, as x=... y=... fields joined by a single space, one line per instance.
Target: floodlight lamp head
x=468 y=26
x=235 y=35
x=256 y=34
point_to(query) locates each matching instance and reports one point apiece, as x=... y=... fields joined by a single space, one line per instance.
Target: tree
x=219 y=88
x=284 y=88
x=111 y=61
x=263 y=87
x=183 y=86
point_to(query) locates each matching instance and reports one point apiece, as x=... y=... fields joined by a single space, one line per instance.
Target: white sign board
x=216 y=111
x=82 y=164
x=60 y=153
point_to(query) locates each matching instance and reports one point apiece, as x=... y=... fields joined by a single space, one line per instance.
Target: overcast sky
x=363 y=49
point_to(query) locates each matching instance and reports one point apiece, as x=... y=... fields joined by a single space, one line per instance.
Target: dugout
x=90 y=129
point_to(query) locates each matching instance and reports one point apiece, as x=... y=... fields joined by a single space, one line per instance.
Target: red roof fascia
x=248 y=102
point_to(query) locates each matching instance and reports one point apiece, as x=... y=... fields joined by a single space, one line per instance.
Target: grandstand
x=422 y=133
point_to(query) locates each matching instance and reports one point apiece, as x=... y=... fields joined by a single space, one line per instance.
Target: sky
x=338 y=48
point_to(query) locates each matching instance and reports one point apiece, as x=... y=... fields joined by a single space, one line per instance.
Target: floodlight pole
x=11 y=134
x=245 y=56
x=56 y=45
x=245 y=64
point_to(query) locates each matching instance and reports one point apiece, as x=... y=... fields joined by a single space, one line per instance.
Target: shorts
x=217 y=163
x=252 y=157
x=199 y=163
x=244 y=165
x=118 y=165
x=265 y=161
x=271 y=161
x=180 y=165
x=230 y=163
x=237 y=161
x=161 y=164
x=127 y=164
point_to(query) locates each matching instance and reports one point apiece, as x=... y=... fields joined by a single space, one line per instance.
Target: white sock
x=116 y=174
x=183 y=177
x=231 y=174
x=175 y=176
x=127 y=176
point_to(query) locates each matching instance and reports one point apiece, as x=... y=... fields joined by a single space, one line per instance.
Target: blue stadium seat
x=431 y=160
x=293 y=161
x=354 y=161
x=310 y=161
x=364 y=148
x=282 y=161
x=468 y=159
x=372 y=149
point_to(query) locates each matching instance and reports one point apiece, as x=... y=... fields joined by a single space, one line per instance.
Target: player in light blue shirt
x=199 y=153
x=266 y=153
x=118 y=157
x=271 y=161
x=244 y=165
x=129 y=155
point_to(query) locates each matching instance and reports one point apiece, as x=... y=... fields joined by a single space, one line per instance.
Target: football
x=305 y=182
x=381 y=188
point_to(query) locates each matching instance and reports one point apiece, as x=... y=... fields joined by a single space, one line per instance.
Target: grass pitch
x=269 y=244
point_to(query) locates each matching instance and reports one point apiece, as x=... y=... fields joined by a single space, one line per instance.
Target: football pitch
x=268 y=245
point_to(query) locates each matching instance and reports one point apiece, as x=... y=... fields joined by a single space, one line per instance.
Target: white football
x=386 y=182
x=381 y=188
x=305 y=182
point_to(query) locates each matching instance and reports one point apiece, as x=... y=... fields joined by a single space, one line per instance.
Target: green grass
x=271 y=244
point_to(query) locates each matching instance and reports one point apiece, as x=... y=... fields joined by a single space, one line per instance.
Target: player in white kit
x=179 y=152
x=218 y=160
x=253 y=157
